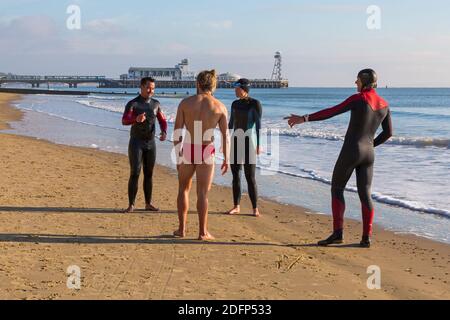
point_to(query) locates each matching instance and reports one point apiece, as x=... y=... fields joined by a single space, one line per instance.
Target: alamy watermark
x=73 y=22
x=374 y=19
x=243 y=148
x=374 y=280
x=73 y=278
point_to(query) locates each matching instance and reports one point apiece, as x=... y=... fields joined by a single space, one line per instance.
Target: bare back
x=204 y=109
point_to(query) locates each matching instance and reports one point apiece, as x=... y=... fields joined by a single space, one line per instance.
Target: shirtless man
x=199 y=115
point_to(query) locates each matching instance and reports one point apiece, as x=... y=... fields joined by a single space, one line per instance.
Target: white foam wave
x=402 y=141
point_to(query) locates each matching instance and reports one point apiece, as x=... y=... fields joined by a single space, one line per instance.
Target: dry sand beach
x=60 y=206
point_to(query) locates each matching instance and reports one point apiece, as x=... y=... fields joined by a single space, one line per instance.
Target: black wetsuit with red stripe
x=368 y=112
x=142 y=146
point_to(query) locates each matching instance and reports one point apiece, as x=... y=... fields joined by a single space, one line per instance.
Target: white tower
x=276 y=74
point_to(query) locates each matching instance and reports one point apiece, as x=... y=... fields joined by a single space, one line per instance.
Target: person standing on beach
x=199 y=115
x=368 y=112
x=245 y=121
x=141 y=113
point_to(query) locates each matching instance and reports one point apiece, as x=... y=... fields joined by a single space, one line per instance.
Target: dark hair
x=146 y=80
x=368 y=78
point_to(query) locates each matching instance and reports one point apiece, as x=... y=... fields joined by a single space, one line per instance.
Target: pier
x=38 y=81
x=103 y=82
x=190 y=84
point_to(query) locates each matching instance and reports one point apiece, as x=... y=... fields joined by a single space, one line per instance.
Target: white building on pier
x=179 y=72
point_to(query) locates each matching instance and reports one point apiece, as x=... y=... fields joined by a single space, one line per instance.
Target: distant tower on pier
x=276 y=74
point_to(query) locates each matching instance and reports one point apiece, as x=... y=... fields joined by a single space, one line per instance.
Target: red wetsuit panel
x=162 y=121
x=374 y=100
x=334 y=111
x=129 y=118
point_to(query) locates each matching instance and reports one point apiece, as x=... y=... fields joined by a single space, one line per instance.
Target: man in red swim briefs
x=199 y=115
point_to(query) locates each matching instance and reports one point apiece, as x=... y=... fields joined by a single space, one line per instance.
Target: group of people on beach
x=197 y=119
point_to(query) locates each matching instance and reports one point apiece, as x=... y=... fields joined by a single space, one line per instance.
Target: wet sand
x=60 y=207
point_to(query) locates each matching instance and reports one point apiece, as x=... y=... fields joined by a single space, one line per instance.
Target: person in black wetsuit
x=368 y=112
x=245 y=120
x=141 y=113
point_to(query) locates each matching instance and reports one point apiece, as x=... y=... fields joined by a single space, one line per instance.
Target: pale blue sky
x=324 y=43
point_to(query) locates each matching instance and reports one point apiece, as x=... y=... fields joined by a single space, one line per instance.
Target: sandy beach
x=60 y=206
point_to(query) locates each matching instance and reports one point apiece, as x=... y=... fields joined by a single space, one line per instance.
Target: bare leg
x=205 y=174
x=185 y=174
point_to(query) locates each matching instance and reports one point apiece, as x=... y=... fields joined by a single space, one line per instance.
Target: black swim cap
x=243 y=83
x=368 y=78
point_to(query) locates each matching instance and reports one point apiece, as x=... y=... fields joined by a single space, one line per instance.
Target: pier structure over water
x=177 y=77
x=38 y=81
x=190 y=84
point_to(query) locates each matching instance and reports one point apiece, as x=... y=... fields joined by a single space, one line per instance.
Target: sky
x=323 y=43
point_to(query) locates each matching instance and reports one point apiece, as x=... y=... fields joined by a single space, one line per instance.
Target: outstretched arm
x=387 y=133
x=325 y=114
x=329 y=113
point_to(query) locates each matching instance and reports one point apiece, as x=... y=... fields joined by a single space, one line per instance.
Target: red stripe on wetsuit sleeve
x=162 y=121
x=334 y=111
x=129 y=118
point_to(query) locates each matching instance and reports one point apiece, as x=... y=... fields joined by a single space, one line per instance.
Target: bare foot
x=235 y=210
x=256 y=213
x=151 y=208
x=206 y=237
x=129 y=210
x=179 y=234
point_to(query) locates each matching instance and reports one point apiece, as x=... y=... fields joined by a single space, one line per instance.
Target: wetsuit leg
x=237 y=190
x=149 y=159
x=364 y=175
x=342 y=173
x=135 y=155
x=250 y=175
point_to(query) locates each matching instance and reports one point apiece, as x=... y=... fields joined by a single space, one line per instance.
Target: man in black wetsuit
x=245 y=120
x=141 y=113
x=368 y=112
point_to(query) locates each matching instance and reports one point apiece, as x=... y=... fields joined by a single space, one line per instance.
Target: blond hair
x=207 y=80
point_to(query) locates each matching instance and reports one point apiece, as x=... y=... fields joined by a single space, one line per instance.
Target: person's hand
x=141 y=118
x=225 y=167
x=163 y=136
x=259 y=150
x=294 y=120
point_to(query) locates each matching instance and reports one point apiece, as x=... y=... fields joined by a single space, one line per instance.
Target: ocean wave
x=113 y=109
x=421 y=114
x=68 y=119
x=379 y=197
x=109 y=97
x=105 y=107
x=401 y=141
